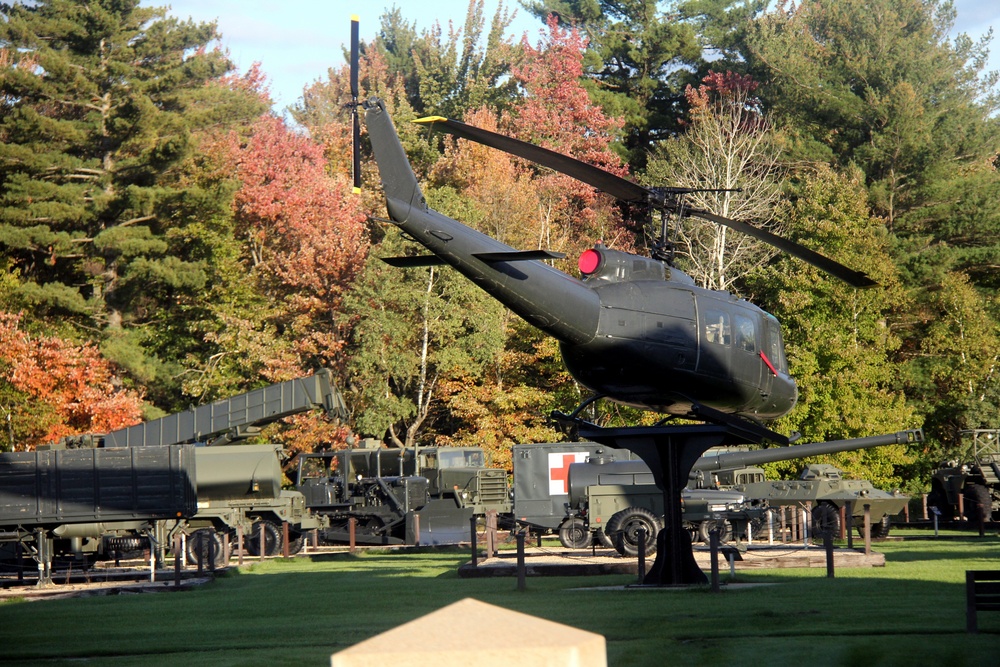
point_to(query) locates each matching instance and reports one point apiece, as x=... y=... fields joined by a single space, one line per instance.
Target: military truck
x=234 y=486
x=584 y=491
x=554 y=490
x=973 y=479
x=423 y=495
x=610 y=501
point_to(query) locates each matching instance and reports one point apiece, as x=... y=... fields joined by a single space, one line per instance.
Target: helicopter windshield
x=773 y=347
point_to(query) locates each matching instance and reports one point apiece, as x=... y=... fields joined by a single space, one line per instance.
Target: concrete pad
x=459 y=635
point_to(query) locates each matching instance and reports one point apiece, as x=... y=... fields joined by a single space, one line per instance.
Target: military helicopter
x=633 y=329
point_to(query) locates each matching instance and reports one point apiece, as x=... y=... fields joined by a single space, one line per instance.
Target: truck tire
x=826 y=519
x=272 y=538
x=880 y=528
x=574 y=534
x=198 y=543
x=939 y=499
x=603 y=539
x=705 y=529
x=623 y=529
x=978 y=503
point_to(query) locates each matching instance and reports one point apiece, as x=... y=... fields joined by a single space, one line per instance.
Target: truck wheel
x=826 y=519
x=272 y=538
x=880 y=528
x=603 y=539
x=939 y=499
x=978 y=503
x=198 y=543
x=623 y=529
x=705 y=529
x=573 y=533
x=296 y=541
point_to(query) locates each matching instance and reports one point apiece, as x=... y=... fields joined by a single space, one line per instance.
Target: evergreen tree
x=643 y=53
x=99 y=107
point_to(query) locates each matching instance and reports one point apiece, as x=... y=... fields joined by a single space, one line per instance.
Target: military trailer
x=424 y=495
x=972 y=481
x=58 y=502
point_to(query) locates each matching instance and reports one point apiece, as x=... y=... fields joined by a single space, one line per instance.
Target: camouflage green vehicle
x=972 y=480
x=824 y=488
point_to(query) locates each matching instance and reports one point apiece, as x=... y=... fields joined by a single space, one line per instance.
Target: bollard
x=713 y=545
x=521 y=571
x=475 y=542
x=770 y=527
x=20 y=561
x=961 y=505
x=850 y=524
x=211 y=552
x=641 y=537
x=416 y=529
x=177 y=560
x=491 y=533
x=198 y=549
x=842 y=510
x=239 y=541
x=352 y=525
x=924 y=496
x=263 y=542
x=828 y=545
x=868 y=529
x=315 y=539
x=284 y=535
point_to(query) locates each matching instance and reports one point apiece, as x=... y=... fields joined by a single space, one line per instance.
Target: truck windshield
x=460 y=458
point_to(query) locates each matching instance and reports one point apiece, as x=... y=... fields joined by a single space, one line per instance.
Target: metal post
x=770 y=527
x=842 y=510
x=19 y=555
x=961 y=505
x=474 y=541
x=263 y=542
x=199 y=549
x=284 y=540
x=177 y=560
x=850 y=524
x=828 y=545
x=868 y=529
x=352 y=525
x=491 y=533
x=521 y=570
x=641 y=568
x=416 y=529
x=804 y=515
x=239 y=541
x=713 y=546
x=211 y=552
x=924 y=497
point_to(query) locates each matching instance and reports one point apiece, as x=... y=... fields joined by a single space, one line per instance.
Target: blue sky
x=297 y=40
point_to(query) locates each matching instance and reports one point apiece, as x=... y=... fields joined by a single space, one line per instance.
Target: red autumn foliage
x=60 y=388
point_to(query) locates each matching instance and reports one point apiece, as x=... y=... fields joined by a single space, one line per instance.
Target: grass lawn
x=300 y=611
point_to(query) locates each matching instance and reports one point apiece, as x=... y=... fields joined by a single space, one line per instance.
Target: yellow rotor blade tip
x=430 y=119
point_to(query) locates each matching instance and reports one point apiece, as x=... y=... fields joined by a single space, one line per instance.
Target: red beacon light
x=589 y=261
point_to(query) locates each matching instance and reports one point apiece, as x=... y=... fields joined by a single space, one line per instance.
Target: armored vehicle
x=823 y=486
x=424 y=495
x=973 y=480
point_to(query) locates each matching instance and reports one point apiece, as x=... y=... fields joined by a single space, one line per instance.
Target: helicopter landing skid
x=670 y=451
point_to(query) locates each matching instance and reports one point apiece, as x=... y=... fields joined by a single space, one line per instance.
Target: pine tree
x=99 y=106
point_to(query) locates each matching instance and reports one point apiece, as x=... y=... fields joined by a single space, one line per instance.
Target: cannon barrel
x=727 y=460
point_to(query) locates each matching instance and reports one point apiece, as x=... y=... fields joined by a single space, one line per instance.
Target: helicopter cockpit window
x=774 y=348
x=717 y=327
x=746 y=336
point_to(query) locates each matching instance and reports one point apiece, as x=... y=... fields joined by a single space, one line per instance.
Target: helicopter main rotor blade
x=836 y=269
x=628 y=191
x=355 y=39
x=616 y=186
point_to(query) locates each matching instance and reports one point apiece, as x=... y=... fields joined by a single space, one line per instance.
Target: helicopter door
x=746 y=358
x=716 y=341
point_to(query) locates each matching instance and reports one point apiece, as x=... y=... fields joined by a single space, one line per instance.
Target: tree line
x=167 y=239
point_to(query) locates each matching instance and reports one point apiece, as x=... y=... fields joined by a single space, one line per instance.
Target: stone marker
x=470 y=632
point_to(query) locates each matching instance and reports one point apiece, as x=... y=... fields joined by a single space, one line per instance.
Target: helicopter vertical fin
x=402 y=191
